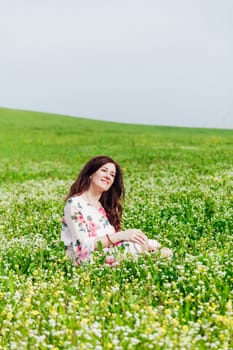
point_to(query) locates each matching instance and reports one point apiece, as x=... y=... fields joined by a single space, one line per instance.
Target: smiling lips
x=105 y=181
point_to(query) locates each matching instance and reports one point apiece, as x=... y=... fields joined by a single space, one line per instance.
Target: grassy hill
x=179 y=184
x=40 y=137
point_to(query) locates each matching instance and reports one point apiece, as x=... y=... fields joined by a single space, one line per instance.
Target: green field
x=179 y=186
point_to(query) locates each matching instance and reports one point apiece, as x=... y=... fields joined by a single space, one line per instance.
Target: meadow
x=179 y=184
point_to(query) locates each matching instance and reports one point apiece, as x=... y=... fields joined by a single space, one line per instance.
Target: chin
x=102 y=188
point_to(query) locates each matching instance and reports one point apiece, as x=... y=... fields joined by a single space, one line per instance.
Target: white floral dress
x=82 y=224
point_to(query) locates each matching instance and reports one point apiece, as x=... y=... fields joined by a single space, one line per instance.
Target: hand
x=134 y=235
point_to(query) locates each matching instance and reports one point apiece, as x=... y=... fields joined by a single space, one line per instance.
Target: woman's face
x=104 y=177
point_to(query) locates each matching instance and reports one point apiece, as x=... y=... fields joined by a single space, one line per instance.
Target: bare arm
x=131 y=235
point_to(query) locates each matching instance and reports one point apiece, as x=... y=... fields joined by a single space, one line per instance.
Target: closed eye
x=111 y=174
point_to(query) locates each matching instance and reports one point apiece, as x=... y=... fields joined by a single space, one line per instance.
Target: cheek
x=96 y=178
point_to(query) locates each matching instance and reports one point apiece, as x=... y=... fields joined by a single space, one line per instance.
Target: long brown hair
x=110 y=199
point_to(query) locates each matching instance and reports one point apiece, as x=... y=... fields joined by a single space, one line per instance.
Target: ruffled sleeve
x=81 y=241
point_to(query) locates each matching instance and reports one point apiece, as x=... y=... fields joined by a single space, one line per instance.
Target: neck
x=92 y=197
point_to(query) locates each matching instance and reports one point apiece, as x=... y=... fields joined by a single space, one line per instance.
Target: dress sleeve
x=82 y=244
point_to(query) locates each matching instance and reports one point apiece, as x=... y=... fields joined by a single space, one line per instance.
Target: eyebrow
x=112 y=172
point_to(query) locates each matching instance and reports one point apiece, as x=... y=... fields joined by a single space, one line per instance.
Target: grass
x=179 y=185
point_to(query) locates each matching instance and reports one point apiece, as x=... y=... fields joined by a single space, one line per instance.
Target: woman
x=93 y=214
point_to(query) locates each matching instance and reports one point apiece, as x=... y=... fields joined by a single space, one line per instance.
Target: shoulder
x=74 y=202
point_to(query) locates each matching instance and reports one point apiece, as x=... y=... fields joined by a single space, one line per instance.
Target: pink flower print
x=110 y=260
x=80 y=218
x=78 y=250
x=92 y=229
x=102 y=210
x=82 y=254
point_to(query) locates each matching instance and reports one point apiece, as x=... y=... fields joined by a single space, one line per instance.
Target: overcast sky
x=165 y=62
